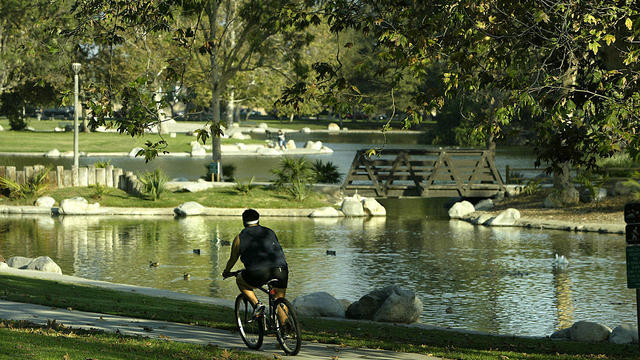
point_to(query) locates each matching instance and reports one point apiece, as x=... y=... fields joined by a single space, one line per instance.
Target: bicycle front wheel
x=288 y=328
x=251 y=328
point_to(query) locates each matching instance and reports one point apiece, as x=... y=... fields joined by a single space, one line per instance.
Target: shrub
x=102 y=164
x=326 y=173
x=154 y=183
x=34 y=186
x=291 y=170
x=244 y=188
x=99 y=191
x=294 y=176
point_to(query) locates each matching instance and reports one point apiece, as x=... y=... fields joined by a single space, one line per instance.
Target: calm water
x=498 y=280
x=344 y=146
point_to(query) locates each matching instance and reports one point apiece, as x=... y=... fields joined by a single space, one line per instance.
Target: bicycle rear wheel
x=251 y=329
x=288 y=329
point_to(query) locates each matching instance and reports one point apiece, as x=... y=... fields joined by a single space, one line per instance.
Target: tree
x=31 y=56
x=572 y=65
x=200 y=29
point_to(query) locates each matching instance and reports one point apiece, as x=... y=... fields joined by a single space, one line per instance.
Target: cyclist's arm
x=235 y=253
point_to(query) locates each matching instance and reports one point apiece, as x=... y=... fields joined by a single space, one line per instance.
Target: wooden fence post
x=60 y=176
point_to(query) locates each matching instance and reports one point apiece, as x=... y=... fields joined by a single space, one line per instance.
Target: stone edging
x=474 y=217
x=35 y=210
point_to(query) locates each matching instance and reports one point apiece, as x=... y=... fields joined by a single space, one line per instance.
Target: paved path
x=160 y=329
x=184 y=333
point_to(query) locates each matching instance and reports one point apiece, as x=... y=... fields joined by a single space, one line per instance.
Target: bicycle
x=279 y=318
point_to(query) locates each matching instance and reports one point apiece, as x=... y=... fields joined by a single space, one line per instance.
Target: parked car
x=65 y=112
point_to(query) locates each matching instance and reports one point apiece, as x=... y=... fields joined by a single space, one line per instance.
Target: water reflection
x=495 y=279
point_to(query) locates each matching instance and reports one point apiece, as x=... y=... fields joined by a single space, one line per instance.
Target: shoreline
x=476 y=219
x=230 y=303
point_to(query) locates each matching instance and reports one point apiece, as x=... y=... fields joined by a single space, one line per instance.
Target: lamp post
x=76 y=70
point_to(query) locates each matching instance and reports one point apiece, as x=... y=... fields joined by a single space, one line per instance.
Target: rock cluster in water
x=390 y=304
x=41 y=263
x=593 y=332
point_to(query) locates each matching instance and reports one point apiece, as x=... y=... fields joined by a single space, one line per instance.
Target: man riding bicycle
x=260 y=252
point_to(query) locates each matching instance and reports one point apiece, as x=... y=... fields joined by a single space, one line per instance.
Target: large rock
x=291 y=145
x=333 y=127
x=318 y=304
x=44 y=263
x=586 y=196
x=189 y=208
x=461 y=209
x=54 y=153
x=626 y=187
x=198 y=151
x=390 y=304
x=484 y=205
x=238 y=135
x=19 y=262
x=589 y=331
x=1 y=128
x=134 y=151
x=268 y=151
x=624 y=334
x=508 y=217
x=560 y=199
x=562 y=334
x=263 y=126
x=3 y=265
x=76 y=205
x=45 y=201
x=372 y=207
x=305 y=130
x=325 y=212
x=313 y=145
x=352 y=206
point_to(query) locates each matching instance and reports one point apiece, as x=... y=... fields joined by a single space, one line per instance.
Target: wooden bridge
x=424 y=173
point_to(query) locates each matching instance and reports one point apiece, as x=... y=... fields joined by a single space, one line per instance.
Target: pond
x=344 y=146
x=500 y=280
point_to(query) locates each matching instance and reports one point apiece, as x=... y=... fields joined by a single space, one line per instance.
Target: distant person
x=262 y=256
x=281 y=140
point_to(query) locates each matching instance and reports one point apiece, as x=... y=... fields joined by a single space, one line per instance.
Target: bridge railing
x=427 y=173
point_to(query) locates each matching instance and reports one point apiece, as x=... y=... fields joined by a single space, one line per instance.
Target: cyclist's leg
x=246 y=289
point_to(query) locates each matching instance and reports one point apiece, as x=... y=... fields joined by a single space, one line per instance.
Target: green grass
x=26 y=141
x=450 y=345
x=23 y=340
x=259 y=197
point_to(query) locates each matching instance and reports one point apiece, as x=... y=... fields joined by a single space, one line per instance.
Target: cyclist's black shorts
x=259 y=277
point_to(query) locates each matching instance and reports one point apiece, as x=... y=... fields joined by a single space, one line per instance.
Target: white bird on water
x=560 y=261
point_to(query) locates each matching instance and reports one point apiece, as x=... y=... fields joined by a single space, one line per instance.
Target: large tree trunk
x=216 y=87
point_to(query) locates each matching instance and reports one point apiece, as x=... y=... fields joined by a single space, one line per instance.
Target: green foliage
x=294 y=176
x=326 y=173
x=298 y=189
x=101 y=164
x=591 y=181
x=99 y=190
x=244 y=188
x=532 y=186
x=154 y=183
x=33 y=187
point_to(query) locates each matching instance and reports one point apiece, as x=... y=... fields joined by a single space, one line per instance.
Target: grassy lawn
x=22 y=340
x=260 y=197
x=438 y=343
x=25 y=141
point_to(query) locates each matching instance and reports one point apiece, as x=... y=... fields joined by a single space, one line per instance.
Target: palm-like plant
x=292 y=170
x=154 y=183
x=326 y=173
x=34 y=186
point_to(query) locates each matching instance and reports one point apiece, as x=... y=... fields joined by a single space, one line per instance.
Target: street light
x=76 y=70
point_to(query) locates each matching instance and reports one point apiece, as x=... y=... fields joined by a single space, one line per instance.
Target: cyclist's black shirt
x=260 y=249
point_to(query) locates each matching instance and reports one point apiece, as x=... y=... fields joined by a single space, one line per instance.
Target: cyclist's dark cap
x=250 y=216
